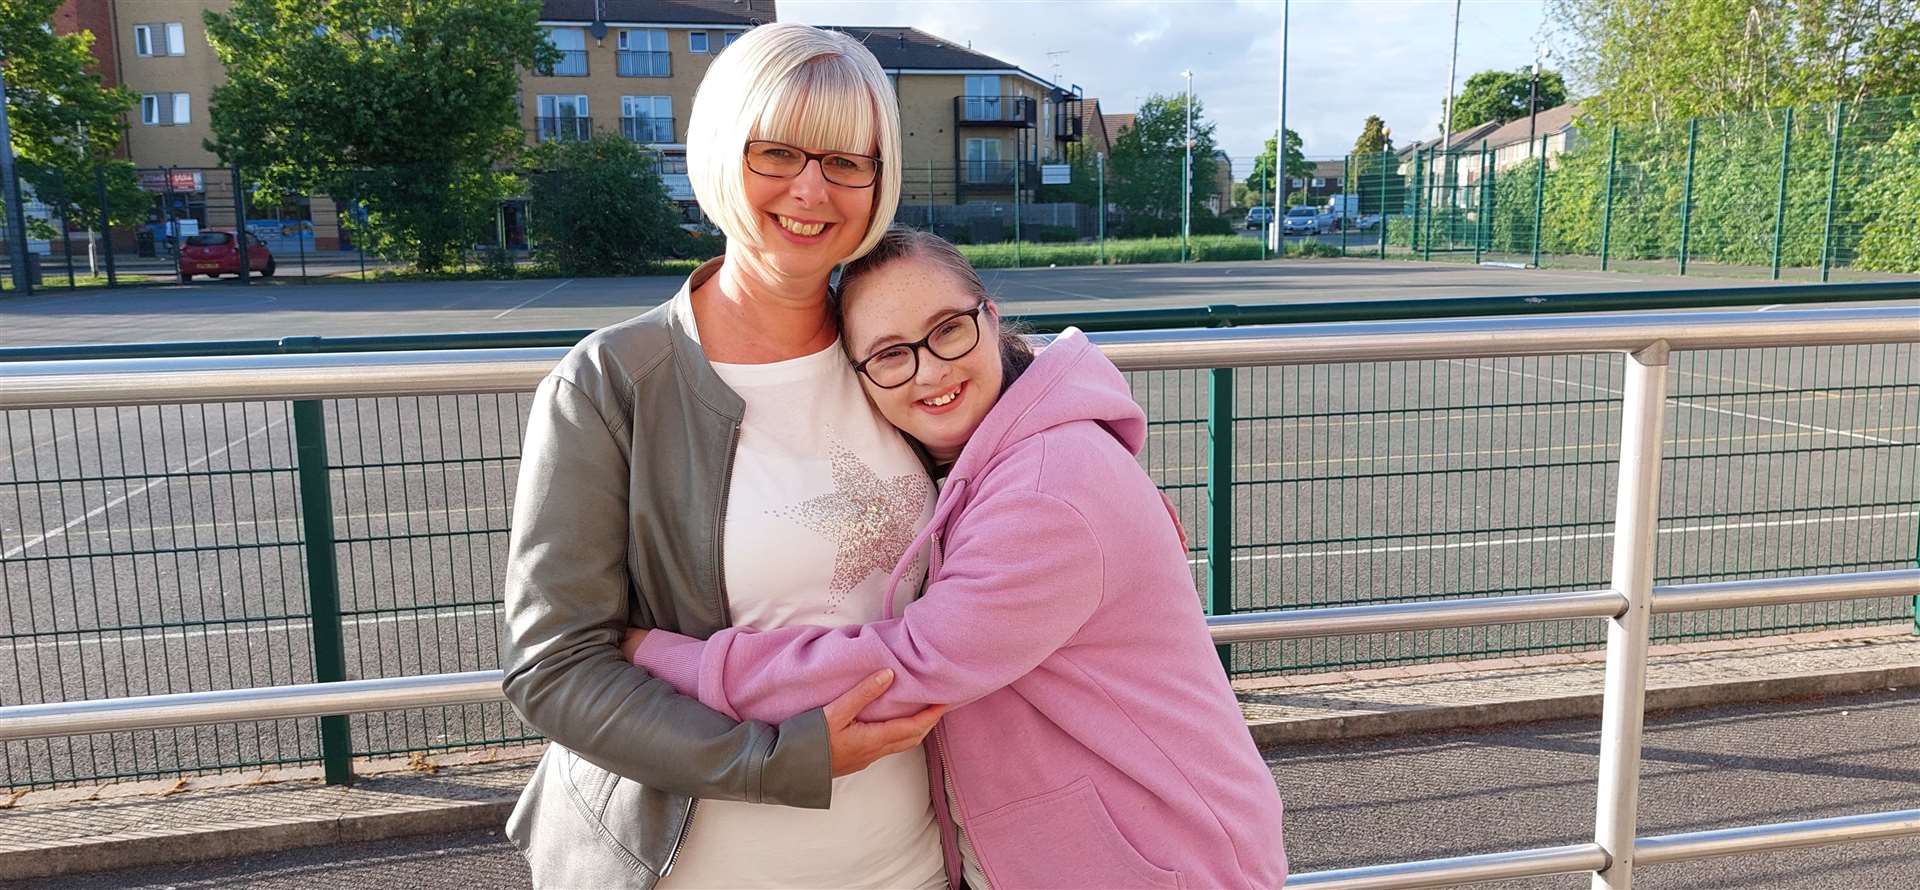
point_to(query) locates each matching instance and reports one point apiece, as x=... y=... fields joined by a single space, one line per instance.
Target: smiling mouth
x=803 y=229
x=944 y=399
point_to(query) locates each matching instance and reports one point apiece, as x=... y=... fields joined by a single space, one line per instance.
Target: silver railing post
x=1636 y=519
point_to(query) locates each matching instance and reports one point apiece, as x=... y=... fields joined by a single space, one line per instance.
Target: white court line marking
x=530 y=300
x=339 y=521
x=62 y=530
x=1068 y=293
x=1688 y=406
x=1551 y=539
x=1770 y=308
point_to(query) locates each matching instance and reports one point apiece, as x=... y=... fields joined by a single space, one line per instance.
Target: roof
x=1092 y=121
x=1329 y=169
x=691 y=12
x=1117 y=124
x=911 y=48
x=1467 y=136
x=1548 y=122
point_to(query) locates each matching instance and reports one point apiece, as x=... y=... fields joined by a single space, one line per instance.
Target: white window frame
x=549 y=105
x=176 y=39
x=182 y=109
x=166 y=109
x=982 y=105
x=977 y=154
x=573 y=35
x=645 y=40
x=1319 y=182
x=143 y=40
x=703 y=47
x=150 y=109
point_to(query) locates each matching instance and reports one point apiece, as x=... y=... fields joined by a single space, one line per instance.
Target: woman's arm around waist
x=566 y=606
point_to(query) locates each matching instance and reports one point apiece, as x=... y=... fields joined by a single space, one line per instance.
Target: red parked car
x=212 y=253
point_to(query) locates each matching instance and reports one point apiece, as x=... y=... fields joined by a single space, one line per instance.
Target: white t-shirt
x=825 y=496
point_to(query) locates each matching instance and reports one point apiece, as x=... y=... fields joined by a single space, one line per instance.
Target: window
x=165 y=109
x=728 y=39
x=169 y=39
x=983 y=160
x=562 y=117
x=647 y=119
x=572 y=44
x=643 y=53
x=983 y=97
x=1319 y=182
x=696 y=41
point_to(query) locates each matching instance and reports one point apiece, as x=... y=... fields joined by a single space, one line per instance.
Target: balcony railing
x=561 y=129
x=1006 y=111
x=999 y=174
x=644 y=63
x=1067 y=122
x=647 y=130
x=572 y=63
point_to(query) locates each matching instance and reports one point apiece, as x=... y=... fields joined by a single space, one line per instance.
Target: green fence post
x=1480 y=221
x=1780 y=202
x=106 y=224
x=1606 y=216
x=1017 y=164
x=1686 y=195
x=1414 y=198
x=1380 y=163
x=323 y=579
x=1264 y=203
x=1539 y=199
x=1100 y=163
x=1426 y=235
x=1220 y=500
x=1346 y=185
x=1833 y=185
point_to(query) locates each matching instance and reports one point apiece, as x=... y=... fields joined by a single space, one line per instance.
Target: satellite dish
x=598 y=29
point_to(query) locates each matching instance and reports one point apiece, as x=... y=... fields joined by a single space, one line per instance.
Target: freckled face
x=945 y=400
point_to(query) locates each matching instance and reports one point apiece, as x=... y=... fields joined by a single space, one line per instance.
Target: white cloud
x=1349 y=58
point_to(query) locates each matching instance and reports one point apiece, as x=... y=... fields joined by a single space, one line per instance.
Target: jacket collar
x=690 y=358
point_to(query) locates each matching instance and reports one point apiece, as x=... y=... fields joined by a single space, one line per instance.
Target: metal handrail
x=149 y=381
x=1627 y=605
x=477 y=687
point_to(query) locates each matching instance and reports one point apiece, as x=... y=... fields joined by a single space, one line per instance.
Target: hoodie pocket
x=1064 y=838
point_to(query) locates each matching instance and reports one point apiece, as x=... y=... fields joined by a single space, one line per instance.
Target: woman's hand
x=630 y=643
x=856 y=745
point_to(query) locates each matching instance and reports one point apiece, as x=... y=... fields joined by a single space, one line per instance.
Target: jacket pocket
x=1063 y=838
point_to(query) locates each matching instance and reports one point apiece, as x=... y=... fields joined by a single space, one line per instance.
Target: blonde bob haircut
x=815 y=89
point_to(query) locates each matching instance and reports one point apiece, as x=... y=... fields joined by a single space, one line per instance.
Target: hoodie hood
x=1070 y=380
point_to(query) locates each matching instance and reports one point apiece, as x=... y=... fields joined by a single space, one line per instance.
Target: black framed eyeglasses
x=782 y=161
x=951 y=339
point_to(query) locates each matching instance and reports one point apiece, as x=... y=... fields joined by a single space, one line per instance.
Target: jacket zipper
x=726 y=613
x=953 y=804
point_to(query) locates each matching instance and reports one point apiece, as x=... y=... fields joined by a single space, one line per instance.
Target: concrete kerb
x=68 y=831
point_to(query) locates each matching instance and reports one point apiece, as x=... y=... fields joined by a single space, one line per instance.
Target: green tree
x=405 y=107
x=1375 y=136
x=599 y=207
x=1144 y=179
x=1501 y=96
x=65 y=122
x=1297 y=163
x=1654 y=60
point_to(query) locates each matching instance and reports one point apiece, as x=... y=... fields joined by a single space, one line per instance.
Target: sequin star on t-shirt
x=872 y=520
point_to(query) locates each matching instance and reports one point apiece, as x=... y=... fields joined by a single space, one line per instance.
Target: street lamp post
x=1279 y=173
x=1533 y=104
x=1186 y=177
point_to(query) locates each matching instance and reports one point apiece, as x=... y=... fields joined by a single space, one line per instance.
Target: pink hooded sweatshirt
x=1096 y=742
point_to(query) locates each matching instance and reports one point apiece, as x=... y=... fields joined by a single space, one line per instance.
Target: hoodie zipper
x=953 y=805
x=726 y=614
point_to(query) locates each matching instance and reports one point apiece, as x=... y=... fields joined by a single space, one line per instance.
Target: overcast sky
x=1350 y=58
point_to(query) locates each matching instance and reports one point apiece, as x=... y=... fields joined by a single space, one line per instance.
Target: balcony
x=1067 y=122
x=998 y=175
x=994 y=111
x=562 y=129
x=572 y=63
x=647 y=130
x=645 y=63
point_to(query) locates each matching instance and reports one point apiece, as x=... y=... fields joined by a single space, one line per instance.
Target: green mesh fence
x=1816 y=193
x=164 y=549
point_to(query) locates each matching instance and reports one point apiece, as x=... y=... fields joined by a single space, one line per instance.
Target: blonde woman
x=714 y=463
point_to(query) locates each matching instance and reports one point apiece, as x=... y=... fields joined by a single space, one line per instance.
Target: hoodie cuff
x=673 y=658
